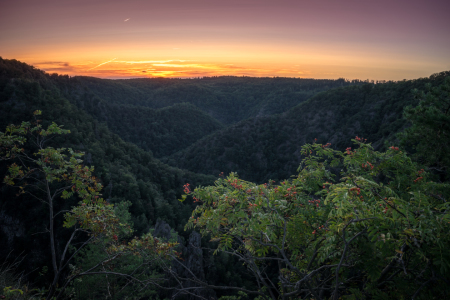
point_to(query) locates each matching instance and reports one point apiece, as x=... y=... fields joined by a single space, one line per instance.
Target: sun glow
x=316 y=39
x=312 y=61
x=115 y=68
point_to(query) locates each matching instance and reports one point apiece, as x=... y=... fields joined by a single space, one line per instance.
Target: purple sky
x=323 y=38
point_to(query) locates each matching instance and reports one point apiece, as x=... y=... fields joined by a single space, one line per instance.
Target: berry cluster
x=186 y=188
x=367 y=165
x=315 y=202
x=289 y=193
x=357 y=189
x=420 y=177
x=385 y=210
x=235 y=184
x=320 y=227
x=251 y=205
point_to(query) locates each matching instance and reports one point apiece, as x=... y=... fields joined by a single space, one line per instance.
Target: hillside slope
x=227 y=99
x=162 y=131
x=265 y=148
x=127 y=172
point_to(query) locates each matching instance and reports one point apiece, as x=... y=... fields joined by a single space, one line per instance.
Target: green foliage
x=110 y=285
x=241 y=296
x=429 y=134
x=127 y=172
x=169 y=115
x=12 y=283
x=39 y=170
x=52 y=175
x=10 y=293
x=337 y=232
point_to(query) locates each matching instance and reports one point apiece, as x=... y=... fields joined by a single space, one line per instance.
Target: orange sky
x=382 y=39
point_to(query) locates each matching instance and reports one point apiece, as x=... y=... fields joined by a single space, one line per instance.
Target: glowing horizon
x=386 y=40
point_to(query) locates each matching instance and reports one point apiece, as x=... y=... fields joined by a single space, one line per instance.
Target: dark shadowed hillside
x=268 y=147
x=127 y=172
x=167 y=115
x=227 y=99
x=162 y=131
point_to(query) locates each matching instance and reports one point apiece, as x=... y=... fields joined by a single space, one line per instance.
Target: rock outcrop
x=191 y=265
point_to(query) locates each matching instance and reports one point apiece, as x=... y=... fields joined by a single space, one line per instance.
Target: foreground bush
x=358 y=224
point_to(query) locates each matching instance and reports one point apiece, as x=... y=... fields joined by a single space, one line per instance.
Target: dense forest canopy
x=146 y=143
x=227 y=99
x=264 y=148
x=155 y=113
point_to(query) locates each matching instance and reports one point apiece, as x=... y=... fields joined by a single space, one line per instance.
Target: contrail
x=102 y=64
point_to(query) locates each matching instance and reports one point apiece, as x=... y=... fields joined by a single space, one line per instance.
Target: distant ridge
x=268 y=147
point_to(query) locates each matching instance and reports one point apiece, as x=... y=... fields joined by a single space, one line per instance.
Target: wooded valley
x=225 y=188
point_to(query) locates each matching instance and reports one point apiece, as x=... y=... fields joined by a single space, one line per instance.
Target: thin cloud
x=56 y=66
x=126 y=20
x=102 y=64
x=148 y=61
x=59 y=70
x=53 y=63
x=185 y=66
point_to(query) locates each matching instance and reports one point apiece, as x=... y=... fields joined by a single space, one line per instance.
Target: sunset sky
x=377 y=39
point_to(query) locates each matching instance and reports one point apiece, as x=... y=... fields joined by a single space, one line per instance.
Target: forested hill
x=168 y=115
x=127 y=172
x=162 y=131
x=252 y=126
x=227 y=99
x=265 y=148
